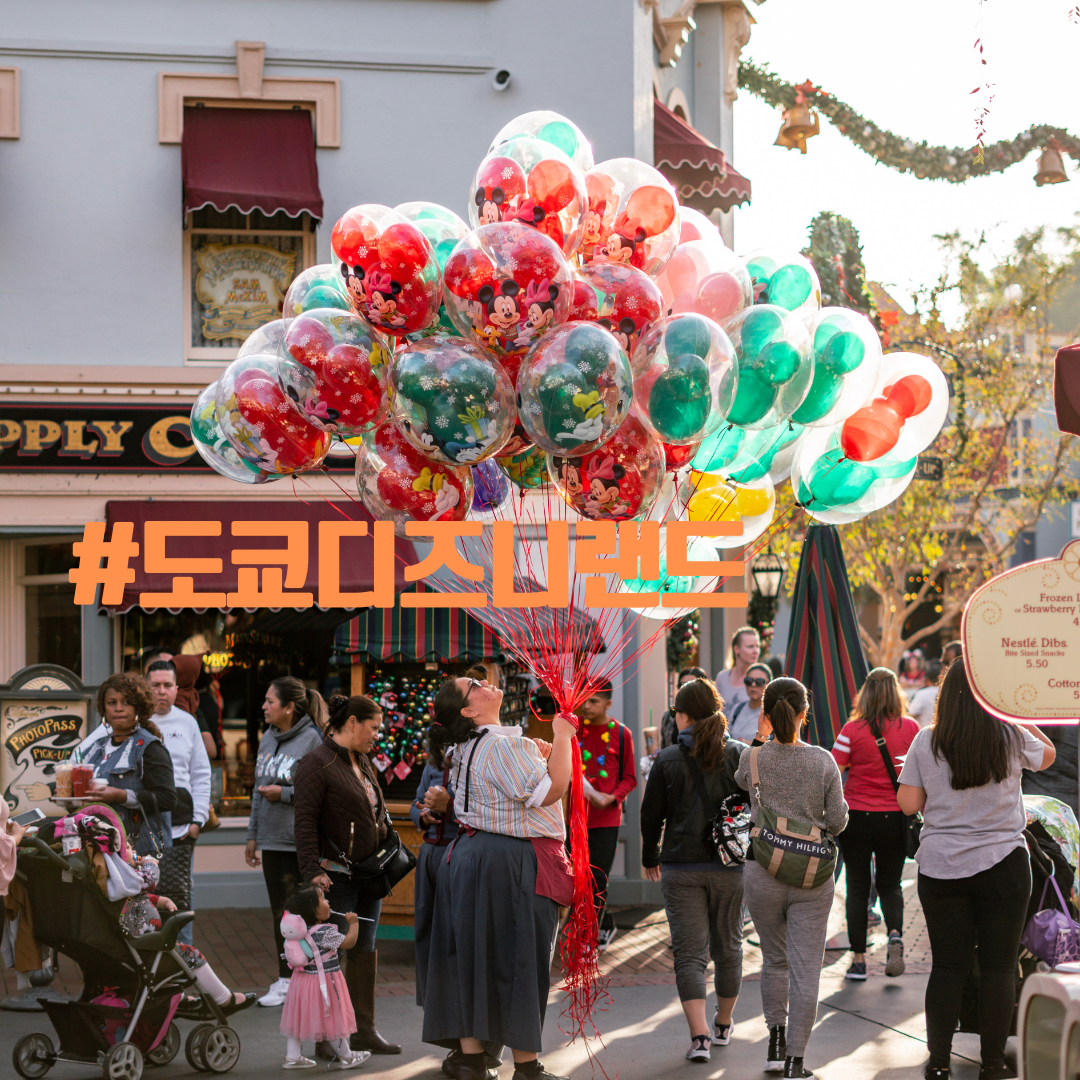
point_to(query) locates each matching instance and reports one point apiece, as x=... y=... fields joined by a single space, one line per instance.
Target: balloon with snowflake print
x=632 y=216
x=319 y=286
x=550 y=127
x=258 y=412
x=618 y=482
x=389 y=269
x=705 y=277
x=698 y=550
x=397 y=482
x=444 y=229
x=506 y=284
x=214 y=448
x=534 y=183
x=710 y=497
x=620 y=298
x=527 y=470
x=349 y=361
x=776 y=365
x=452 y=400
x=265 y=341
x=786 y=280
x=575 y=389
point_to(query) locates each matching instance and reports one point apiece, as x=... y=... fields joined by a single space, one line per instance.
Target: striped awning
x=824 y=651
x=448 y=635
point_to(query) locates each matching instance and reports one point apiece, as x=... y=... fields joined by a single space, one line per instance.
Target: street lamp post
x=768 y=573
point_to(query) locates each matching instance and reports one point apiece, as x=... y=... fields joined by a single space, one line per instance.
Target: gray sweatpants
x=704 y=910
x=792 y=926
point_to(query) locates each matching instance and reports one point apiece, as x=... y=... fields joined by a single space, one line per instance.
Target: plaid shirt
x=507 y=779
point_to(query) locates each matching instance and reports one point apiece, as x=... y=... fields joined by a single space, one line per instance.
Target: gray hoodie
x=271 y=823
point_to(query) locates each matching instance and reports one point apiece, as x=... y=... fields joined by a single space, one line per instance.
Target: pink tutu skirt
x=304 y=1016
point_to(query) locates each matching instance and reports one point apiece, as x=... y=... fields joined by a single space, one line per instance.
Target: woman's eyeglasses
x=473 y=683
x=755 y=682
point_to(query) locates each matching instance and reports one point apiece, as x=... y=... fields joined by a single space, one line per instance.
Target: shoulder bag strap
x=699 y=782
x=879 y=738
x=755 y=776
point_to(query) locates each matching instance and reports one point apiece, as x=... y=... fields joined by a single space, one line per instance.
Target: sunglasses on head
x=755 y=682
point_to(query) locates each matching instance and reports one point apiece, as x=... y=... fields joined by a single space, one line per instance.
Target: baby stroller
x=144 y=977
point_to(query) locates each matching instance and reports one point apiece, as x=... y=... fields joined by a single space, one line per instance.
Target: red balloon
x=676 y=456
x=288 y=442
x=308 y=341
x=620 y=298
x=351 y=387
x=415 y=484
x=467 y=271
x=874 y=430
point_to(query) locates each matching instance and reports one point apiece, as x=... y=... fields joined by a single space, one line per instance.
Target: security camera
x=501 y=80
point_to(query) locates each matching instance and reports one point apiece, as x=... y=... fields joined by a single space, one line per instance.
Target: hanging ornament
x=1051 y=166
x=800 y=121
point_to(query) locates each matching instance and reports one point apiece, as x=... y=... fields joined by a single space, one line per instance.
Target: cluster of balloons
x=582 y=331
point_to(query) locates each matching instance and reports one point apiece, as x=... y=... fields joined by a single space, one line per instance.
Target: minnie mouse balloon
x=618 y=482
x=214 y=448
x=786 y=280
x=632 y=217
x=684 y=378
x=532 y=182
x=575 y=389
x=505 y=286
x=452 y=399
x=262 y=420
x=349 y=361
x=399 y=483
x=776 y=365
x=620 y=298
x=389 y=268
x=316 y=287
x=550 y=127
x=705 y=277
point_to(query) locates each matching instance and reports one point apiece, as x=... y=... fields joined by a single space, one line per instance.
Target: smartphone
x=31 y=817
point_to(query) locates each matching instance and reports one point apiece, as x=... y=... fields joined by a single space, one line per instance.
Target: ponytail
x=291 y=691
x=784 y=700
x=701 y=701
x=316 y=708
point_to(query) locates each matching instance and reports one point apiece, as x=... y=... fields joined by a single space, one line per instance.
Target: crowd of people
x=493 y=879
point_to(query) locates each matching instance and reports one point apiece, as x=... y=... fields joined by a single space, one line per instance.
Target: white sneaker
x=352 y=1060
x=699 y=1048
x=276 y=994
x=298 y=1063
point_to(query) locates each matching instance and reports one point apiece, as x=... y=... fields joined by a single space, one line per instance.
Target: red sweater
x=869 y=786
x=601 y=743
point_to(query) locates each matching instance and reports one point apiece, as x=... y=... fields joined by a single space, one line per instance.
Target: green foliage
x=836 y=253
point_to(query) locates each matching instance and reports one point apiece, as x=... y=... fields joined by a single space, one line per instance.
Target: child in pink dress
x=317 y=1005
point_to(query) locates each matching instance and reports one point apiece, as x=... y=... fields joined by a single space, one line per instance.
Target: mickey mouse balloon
x=215 y=449
x=619 y=298
x=389 y=269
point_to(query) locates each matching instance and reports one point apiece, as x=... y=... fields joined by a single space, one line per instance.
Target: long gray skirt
x=492 y=940
x=428 y=864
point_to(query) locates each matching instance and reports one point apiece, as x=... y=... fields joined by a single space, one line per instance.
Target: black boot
x=793 y=1067
x=360 y=970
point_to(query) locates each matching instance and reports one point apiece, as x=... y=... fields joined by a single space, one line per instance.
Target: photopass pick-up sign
x=105 y=438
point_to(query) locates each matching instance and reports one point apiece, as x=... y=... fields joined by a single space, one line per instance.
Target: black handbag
x=174 y=866
x=388 y=864
x=727 y=830
x=913 y=823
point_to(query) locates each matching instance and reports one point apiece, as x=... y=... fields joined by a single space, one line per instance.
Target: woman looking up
x=496 y=912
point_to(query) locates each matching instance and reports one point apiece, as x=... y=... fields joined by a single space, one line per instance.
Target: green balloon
x=679 y=400
x=325 y=296
x=688 y=334
x=555 y=392
x=412 y=378
x=560 y=134
x=753 y=399
x=790 y=287
x=589 y=344
x=719 y=449
x=835 y=481
x=761 y=268
x=442 y=251
x=824 y=393
x=755 y=458
x=777 y=362
x=760 y=327
x=528 y=470
x=843 y=352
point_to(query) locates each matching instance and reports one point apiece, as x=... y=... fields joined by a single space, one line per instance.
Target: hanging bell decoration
x=1051 y=167
x=800 y=123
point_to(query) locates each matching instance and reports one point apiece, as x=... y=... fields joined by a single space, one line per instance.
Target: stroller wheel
x=167 y=1049
x=33 y=1056
x=194 y=1047
x=221 y=1049
x=124 y=1061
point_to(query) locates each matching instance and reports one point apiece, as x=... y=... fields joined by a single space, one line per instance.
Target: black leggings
x=987 y=908
x=877 y=835
x=281 y=872
x=603 y=843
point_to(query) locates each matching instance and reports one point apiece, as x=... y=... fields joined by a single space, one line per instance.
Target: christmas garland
x=955 y=164
x=836 y=254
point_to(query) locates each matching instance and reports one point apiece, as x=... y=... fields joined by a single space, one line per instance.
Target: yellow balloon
x=713 y=500
x=752 y=501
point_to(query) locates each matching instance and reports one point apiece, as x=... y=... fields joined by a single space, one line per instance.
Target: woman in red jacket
x=607 y=756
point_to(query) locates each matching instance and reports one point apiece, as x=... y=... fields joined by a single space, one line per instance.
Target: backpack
x=794 y=852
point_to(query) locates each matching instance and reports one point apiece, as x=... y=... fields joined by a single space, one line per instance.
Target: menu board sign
x=1021 y=634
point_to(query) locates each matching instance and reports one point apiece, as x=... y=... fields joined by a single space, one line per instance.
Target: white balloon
x=698 y=549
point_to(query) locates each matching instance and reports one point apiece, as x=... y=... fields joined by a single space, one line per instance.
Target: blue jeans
x=344 y=896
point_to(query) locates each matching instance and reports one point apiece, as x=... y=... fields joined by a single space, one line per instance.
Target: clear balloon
x=632 y=217
x=618 y=482
x=442 y=227
x=698 y=549
x=694 y=225
x=705 y=277
x=214 y=448
x=575 y=389
x=258 y=412
x=847 y=362
x=527 y=470
x=746 y=456
x=684 y=378
x=319 y=286
x=349 y=362
x=266 y=341
x=452 y=399
x=396 y=482
x=709 y=497
x=534 y=183
x=505 y=286
x=492 y=493
x=785 y=279
x=620 y=298
x=553 y=128
x=776 y=365
x=389 y=269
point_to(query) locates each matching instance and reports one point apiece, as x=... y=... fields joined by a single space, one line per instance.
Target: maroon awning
x=696 y=168
x=1067 y=388
x=253 y=159
x=356 y=554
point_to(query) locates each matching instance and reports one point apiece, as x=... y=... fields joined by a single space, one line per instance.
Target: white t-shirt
x=191 y=763
x=743 y=725
x=921 y=705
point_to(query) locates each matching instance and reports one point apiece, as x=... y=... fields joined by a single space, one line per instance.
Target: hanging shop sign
x=1021 y=634
x=106 y=438
x=240 y=287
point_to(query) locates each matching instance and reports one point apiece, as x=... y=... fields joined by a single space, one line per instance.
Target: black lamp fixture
x=768 y=573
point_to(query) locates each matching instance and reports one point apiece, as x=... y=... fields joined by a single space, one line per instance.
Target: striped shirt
x=507 y=782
